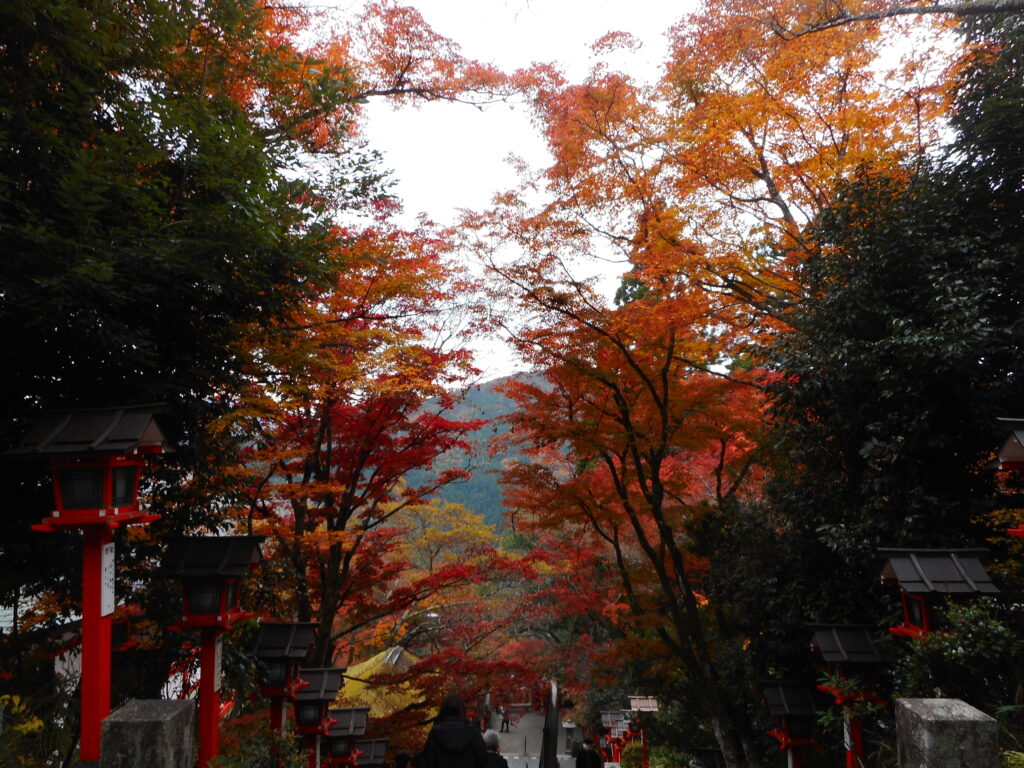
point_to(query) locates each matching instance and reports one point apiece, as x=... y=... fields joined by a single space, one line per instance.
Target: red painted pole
x=209 y=696
x=313 y=744
x=854 y=740
x=95 y=701
x=277 y=714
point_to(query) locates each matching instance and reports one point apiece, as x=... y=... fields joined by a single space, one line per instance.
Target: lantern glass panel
x=204 y=599
x=81 y=488
x=276 y=674
x=340 y=747
x=915 y=611
x=124 y=486
x=232 y=601
x=800 y=726
x=308 y=713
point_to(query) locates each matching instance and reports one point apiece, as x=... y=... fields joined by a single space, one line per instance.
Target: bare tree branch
x=978 y=8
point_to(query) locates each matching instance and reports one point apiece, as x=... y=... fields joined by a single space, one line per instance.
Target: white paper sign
x=218 y=656
x=107 y=580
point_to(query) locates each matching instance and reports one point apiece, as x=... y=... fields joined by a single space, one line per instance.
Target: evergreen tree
x=904 y=350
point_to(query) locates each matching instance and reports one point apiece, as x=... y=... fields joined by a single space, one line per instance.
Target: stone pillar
x=945 y=733
x=150 y=733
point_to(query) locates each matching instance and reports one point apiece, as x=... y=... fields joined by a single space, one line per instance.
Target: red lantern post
x=211 y=569
x=281 y=647
x=850 y=655
x=638 y=705
x=312 y=702
x=338 y=748
x=96 y=457
x=792 y=704
x=924 y=574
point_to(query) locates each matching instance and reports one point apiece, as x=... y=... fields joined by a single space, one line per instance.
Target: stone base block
x=150 y=733
x=945 y=733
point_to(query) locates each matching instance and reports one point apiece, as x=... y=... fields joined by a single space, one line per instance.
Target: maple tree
x=703 y=185
x=359 y=394
x=628 y=442
x=738 y=147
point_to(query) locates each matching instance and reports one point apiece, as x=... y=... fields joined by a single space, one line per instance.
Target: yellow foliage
x=359 y=688
x=14 y=704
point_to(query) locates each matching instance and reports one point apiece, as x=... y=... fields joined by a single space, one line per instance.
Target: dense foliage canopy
x=818 y=213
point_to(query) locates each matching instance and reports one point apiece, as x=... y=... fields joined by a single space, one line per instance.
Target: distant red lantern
x=1011 y=453
x=923 y=574
x=371 y=752
x=312 y=704
x=1010 y=456
x=280 y=647
x=339 y=747
x=792 y=704
x=210 y=569
x=850 y=654
x=313 y=700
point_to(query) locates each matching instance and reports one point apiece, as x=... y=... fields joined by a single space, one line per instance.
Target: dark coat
x=494 y=760
x=453 y=742
x=589 y=758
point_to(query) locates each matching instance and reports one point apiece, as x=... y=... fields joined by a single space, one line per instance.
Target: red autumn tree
x=630 y=443
x=454 y=639
x=357 y=392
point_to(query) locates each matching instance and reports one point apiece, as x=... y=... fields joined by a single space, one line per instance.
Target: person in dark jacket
x=453 y=741
x=492 y=742
x=588 y=756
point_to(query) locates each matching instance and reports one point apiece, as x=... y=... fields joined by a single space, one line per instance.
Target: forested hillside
x=481 y=493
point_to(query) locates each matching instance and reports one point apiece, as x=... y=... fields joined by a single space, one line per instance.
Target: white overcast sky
x=451 y=156
x=447 y=157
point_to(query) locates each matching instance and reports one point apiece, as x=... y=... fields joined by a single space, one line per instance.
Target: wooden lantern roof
x=372 y=751
x=284 y=640
x=785 y=698
x=845 y=643
x=114 y=430
x=199 y=557
x=616 y=722
x=944 y=571
x=322 y=684
x=349 y=722
x=643 y=703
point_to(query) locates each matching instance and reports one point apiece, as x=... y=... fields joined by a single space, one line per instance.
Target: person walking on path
x=503 y=713
x=588 y=756
x=453 y=741
x=492 y=742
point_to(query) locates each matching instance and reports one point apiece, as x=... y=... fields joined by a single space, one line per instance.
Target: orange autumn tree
x=737 y=147
x=702 y=185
